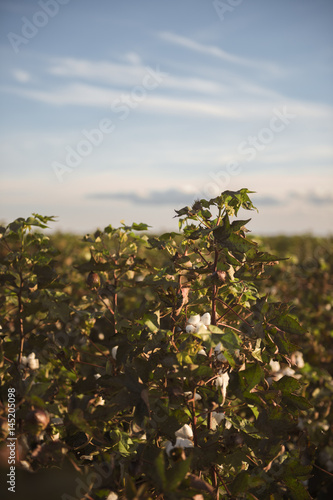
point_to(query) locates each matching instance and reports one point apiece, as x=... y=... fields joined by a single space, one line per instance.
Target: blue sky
x=129 y=110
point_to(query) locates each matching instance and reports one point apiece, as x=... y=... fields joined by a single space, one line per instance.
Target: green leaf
x=159 y=467
x=238 y=224
x=140 y=227
x=287 y=385
x=287 y=323
x=296 y=489
x=240 y=483
x=256 y=353
x=177 y=473
x=296 y=402
x=253 y=255
x=130 y=489
x=7 y=279
x=251 y=376
x=229 y=339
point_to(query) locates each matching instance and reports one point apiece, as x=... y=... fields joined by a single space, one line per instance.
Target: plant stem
x=214 y=290
x=20 y=311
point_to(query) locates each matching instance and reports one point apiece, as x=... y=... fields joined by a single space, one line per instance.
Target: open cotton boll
x=31 y=361
x=299 y=361
x=200 y=328
x=189 y=394
x=202 y=352
x=216 y=419
x=275 y=366
x=184 y=432
x=200 y=325
x=194 y=320
x=287 y=371
x=218 y=416
x=180 y=443
x=218 y=353
x=190 y=328
x=183 y=443
x=33 y=364
x=112 y=496
x=114 y=352
x=205 y=319
x=222 y=381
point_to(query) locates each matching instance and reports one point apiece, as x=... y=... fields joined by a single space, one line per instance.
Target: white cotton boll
x=97 y=376
x=218 y=353
x=33 y=364
x=114 y=352
x=190 y=328
x=168 y=447
x=31 y=361
x=299 y=361
x=201 y=328
x=184 y=432
x=180 y=443
x=221 y=358
x=189 y=394
x=222 y=381
x=275 y=366
x=289 y=372
x=205 y=319
x=200 y=325
x=112 y=496
x=202 y=352
x=194 y=320
x=183 y=443
x=100 y=401
x=218 y=348
x=24 y=361
x=228 y=425
x=218 y=417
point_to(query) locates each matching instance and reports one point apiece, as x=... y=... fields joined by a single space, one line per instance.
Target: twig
x=224 y=485
x=323 y=470
x=231 y=309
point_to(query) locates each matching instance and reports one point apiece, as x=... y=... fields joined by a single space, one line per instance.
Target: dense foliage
x=171 y=366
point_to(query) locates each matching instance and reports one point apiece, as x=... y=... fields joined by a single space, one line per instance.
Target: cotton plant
x=222 y=382
x=198 y=324
x=219 y=354
x=30 y=361
x=277 y=372
x=184 y=437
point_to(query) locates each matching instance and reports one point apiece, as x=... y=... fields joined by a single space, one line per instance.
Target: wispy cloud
x=79 y=94
x=217 y=52
x=21 y=76
x=179 y=197
x=126 y=74
x=166 y=197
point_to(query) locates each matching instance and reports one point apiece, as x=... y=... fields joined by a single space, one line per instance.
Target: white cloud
x=78 y=94
x=127 y=75
x=214 y=51
x=133 y=58
x=21 y=76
